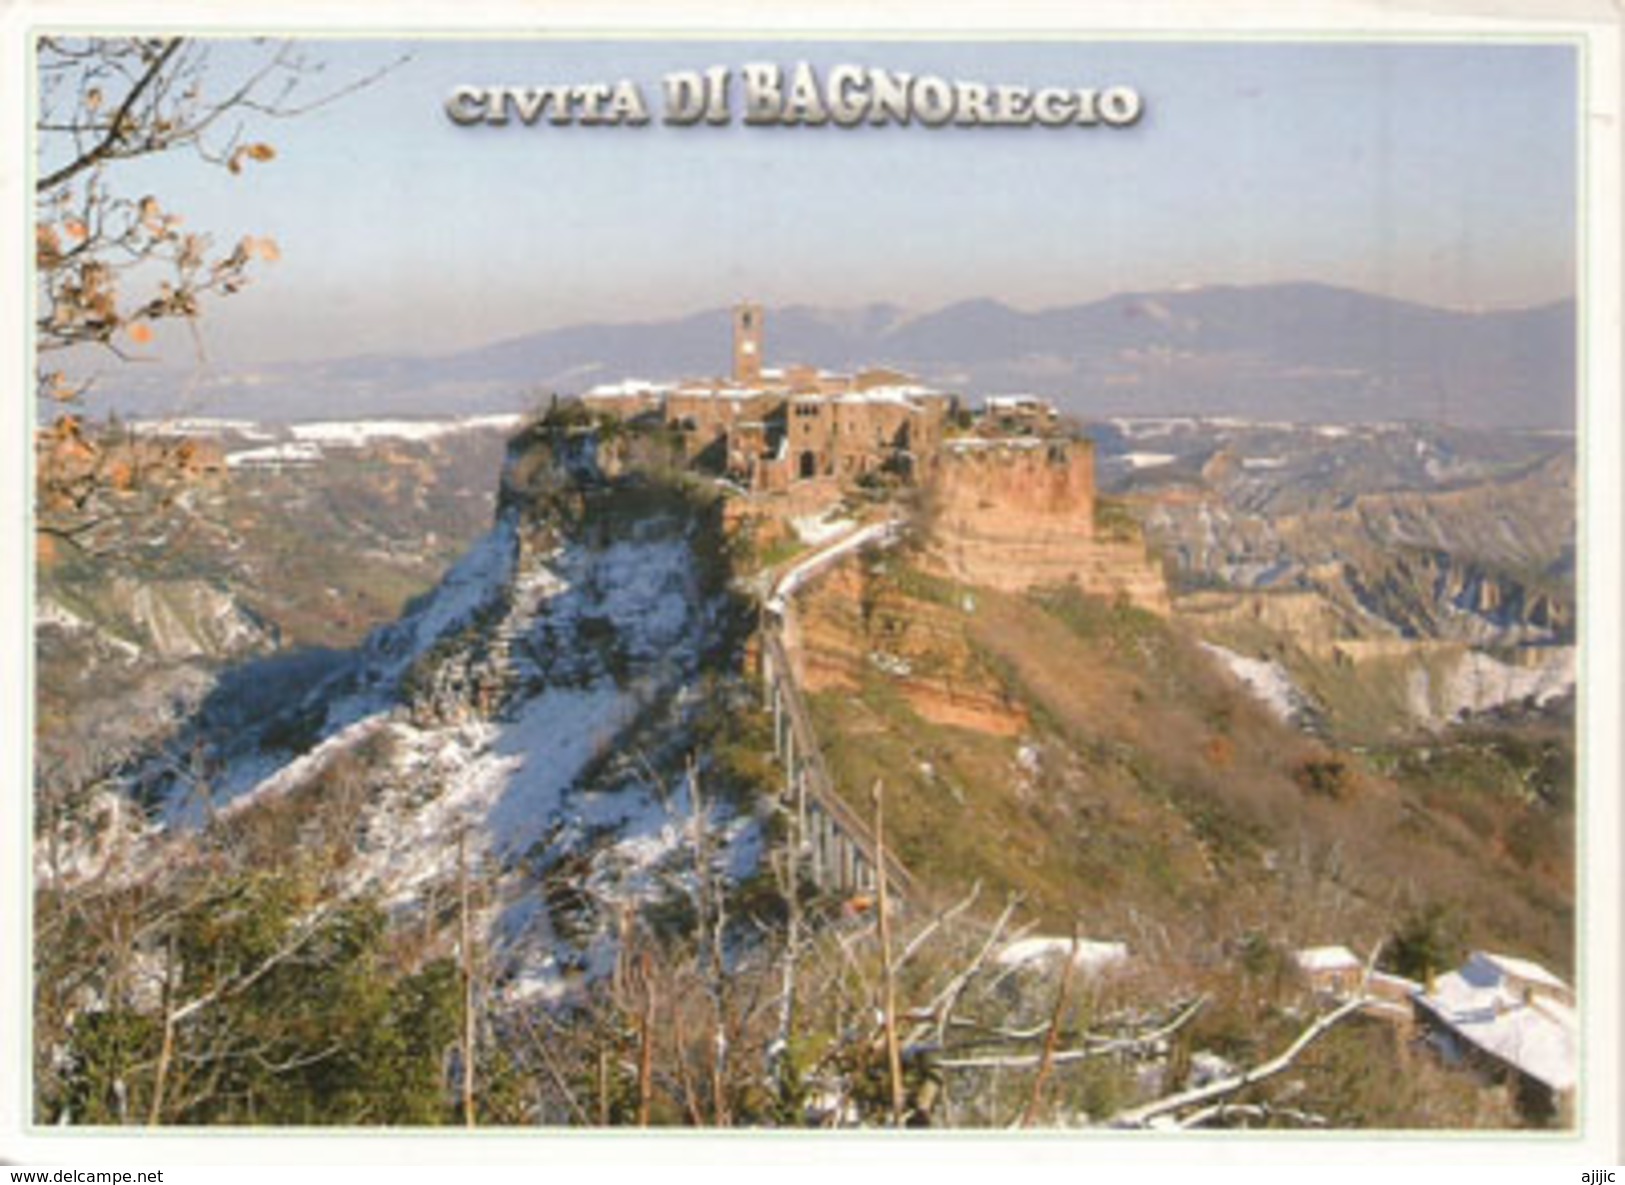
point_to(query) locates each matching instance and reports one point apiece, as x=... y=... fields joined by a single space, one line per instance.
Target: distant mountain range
x=1303 y=352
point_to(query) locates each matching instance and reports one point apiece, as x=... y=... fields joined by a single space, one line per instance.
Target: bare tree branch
x=1142 y=1116
x=1044 y=1063
x=118 y=128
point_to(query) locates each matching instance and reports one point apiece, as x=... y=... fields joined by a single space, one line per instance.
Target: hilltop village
x=770 y=428
x=604 y=638
x=1009 y=503
x=1009 y=486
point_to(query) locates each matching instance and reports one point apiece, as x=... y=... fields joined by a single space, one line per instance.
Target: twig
x=942 y=1007
x=1140 y=1116
x=894 y=1061
x=117 y=127
x=1252 y=1111
x=553 y=1070
x=1044 y=1063
x=936 y=924
x=468 y=978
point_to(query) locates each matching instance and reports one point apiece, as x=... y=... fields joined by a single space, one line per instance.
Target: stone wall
x=1019 y=513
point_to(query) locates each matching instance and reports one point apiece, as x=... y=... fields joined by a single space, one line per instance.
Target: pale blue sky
x=1440 y=173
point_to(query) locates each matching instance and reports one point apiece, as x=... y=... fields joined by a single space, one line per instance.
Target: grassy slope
x=1163 y=792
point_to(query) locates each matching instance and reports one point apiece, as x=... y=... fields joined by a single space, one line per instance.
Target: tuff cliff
x=1020 y=512
x=537 y=712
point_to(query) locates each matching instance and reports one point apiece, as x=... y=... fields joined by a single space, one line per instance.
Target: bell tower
x=748 y=344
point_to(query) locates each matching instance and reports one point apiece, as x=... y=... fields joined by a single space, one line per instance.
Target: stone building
x=1512 y=1018
x=1013 y=497
x=748 y=344
x=772 y=428
x=1019 y=413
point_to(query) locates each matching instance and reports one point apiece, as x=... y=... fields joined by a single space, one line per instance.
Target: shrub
x=1329 y=777
x=1429 y=939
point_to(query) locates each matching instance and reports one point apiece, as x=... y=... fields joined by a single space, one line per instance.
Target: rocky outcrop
x=166 y=621
x=1020 y=513
x=1314 y=621
x=860 y=621
x=1432 y=594
x=1486 y=562
x=1464 y=682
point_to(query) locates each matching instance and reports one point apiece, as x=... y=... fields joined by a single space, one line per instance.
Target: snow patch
x=1267 y=680
x=51 y=612
x=818 y=529
x=358 y=433
x=1091 y=956
x=880 y=534
x=1476 y=682
x=474 y=583
x=190 y=812
x=276 y=456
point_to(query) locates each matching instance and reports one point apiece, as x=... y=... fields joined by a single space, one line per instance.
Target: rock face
x=1020 y=513
x=1314 y=621
x=1334 y=534
x=857 y=620
x=1465 y=682
x=1432 y=594
x=546 y=701
x=162 y=621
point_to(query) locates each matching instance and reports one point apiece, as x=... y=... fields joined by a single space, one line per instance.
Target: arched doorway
x=809 y=464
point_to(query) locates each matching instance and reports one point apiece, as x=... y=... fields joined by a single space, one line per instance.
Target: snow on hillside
x=308 y=442
x=1268 y=682
x=201 y=426
x=599 y=644
x=476 y=581
x=288 y=455
x=356 y=433
x=818 y=529
x=1088 y=956
x=1476 y=682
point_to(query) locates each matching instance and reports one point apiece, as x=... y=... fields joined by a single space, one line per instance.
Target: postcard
x=1040 y=582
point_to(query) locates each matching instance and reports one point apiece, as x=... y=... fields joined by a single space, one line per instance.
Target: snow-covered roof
x=1524 y=969
x=1482 y=1004
x=1091 y=956
x=627 y=389
x=965 y=444
x=892 y=393
x=712 y=391
x=1328 y=958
